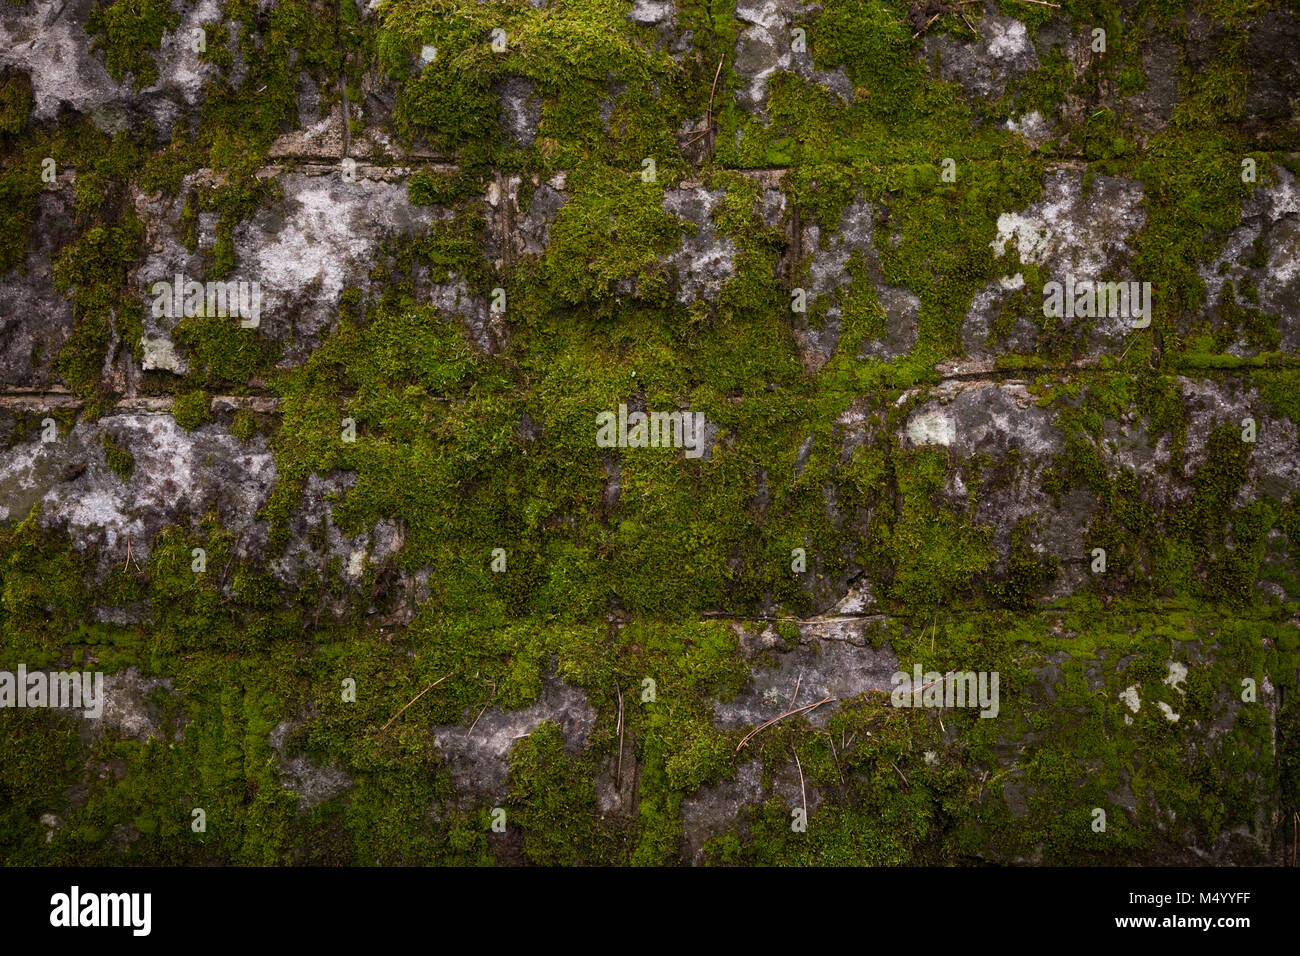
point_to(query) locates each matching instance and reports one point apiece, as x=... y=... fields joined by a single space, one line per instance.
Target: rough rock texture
x=704 y=262
x=48 y=41
x=34 y=319
x=1069 y=232
x=177 y=477
x=477 y=755
x=765 y=46
x=322 y=235
x=983 y=66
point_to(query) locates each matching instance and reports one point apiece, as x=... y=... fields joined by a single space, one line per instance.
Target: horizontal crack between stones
x=35 y=399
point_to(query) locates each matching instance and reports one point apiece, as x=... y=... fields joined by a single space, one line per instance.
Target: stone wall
x=368 y=588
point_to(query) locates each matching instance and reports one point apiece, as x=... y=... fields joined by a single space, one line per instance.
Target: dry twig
x=414 y=699
x=788 y=713
x=484 y=710
x=928 y=24
x=836 y=758
x=618 y=772
x=803 y=793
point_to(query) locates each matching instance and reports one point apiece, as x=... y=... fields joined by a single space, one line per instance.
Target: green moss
x=570 y=54
x=128 y=32
x=191 y=409
x=20 y=186
x=613 y=230
x=1027 y=573
x=119 y=457
x=15 y=101
x=1281 y=389
x=553 y=802
x=934 y=552
x=42 y=749
x=243 y=426
x=92 y=271
x=222 y=354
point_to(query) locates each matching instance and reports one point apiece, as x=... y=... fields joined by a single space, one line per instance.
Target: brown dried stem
x=414 y=699
x=788 y=713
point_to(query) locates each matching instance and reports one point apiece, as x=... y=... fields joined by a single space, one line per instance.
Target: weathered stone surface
x=177 y=477
x=478 y=754
x=1068 y=233
x=35 y=320
x=313 y=782
x=828 y=278
x=983 y=66
x=705 y=260
x=1265 y=251
x=47 y=40
x=322 y=236
x=829 y=662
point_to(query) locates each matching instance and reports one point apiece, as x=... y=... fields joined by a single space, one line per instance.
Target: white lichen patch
x=1177 y=674
x=932 y=428
x=1030 y=233
x=357 y=564
x=1032 y=126
x=54 y=51
x=159 y=354
x=1008 y=39
x=1074 y=230
x=705 y=260
x=1168 y=711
